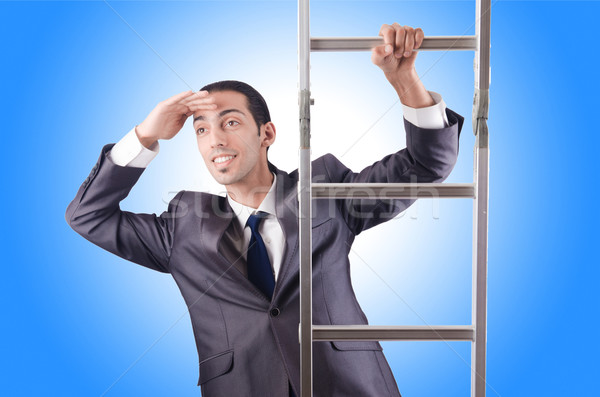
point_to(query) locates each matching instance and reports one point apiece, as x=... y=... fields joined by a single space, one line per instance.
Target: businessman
x=235 y=258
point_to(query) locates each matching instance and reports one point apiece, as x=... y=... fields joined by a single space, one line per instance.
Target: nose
x=218 y=138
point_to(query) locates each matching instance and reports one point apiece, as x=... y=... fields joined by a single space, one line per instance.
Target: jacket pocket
x=214 y=366
x=320 y=222
x=356 y=345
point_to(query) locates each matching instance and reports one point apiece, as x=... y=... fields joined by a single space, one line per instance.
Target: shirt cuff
x=432 y=117
x=129 y=152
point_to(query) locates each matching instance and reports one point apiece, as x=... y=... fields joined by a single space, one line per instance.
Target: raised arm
x=94 y=213
x=431 y=143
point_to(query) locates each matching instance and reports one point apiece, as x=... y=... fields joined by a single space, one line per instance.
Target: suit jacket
x=248 y=345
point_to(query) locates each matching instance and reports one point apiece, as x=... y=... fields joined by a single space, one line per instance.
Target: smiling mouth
x=222 y=161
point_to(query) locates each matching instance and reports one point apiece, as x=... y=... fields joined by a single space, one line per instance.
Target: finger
x=194 y=98
x=379 y=53
x=409 y=42
x=178 y=97
x=201 y=101
x=196 y=95
x=193 y=107
x=387 y=32
x=399 y=40
x=419 y=36
x=201 y=106
x=181 y=109
x=383 y=29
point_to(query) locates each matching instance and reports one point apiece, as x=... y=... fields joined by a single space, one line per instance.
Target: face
x=229 y=140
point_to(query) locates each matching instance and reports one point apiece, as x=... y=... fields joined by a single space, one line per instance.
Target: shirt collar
x=243 y=212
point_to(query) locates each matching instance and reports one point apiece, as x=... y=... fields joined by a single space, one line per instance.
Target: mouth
x=223 y=160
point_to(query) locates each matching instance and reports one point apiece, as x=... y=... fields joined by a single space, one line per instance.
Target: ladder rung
x=392 y=190
x=387 y=332
x=430 y=43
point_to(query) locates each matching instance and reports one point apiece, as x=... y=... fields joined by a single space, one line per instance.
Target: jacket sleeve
x=429 y=156
x=94 y=213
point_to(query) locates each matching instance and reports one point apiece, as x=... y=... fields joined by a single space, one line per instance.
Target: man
x=235 y=258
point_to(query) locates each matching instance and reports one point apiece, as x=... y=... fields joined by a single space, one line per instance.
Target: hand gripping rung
x=392 y=332
x=392 y=190
x=430 y=43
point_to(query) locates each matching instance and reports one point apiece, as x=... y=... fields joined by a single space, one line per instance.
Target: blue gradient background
x=78 y=321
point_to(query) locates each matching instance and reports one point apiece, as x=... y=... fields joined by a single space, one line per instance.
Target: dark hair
x=256 y=103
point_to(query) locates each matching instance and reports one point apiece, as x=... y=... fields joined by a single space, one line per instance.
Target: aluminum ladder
x=478 y=191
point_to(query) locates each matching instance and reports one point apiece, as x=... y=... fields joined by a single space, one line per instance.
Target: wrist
x=403 y=81
x=145 y=141
x=410 y=89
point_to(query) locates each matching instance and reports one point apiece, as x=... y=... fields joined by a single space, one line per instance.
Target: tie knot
x=254 y=220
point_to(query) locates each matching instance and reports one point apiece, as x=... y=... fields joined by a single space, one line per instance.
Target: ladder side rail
x=480 y=204
x=479 y=288
x=304 y=169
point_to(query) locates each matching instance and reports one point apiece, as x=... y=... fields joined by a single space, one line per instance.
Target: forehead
x=225 y=100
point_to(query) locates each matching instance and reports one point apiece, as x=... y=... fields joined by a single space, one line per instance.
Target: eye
x=232 y=123
x=201 y=131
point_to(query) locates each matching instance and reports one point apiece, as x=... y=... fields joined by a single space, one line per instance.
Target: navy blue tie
x=259 y=266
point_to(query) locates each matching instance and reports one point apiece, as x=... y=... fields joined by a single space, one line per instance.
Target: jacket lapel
x=218 y=216
x=213 y=229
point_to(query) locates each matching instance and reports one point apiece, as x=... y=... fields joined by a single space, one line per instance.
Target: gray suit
x=248 y=346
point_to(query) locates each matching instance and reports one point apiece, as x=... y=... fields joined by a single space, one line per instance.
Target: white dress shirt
x=269 y=228
x=129 y=152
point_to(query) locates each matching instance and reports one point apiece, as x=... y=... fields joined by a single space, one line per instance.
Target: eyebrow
x=223 y=113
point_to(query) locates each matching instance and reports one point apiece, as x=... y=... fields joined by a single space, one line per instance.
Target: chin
x=223 y=177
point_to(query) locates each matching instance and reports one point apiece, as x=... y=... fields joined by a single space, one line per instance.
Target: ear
x=268 y=134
